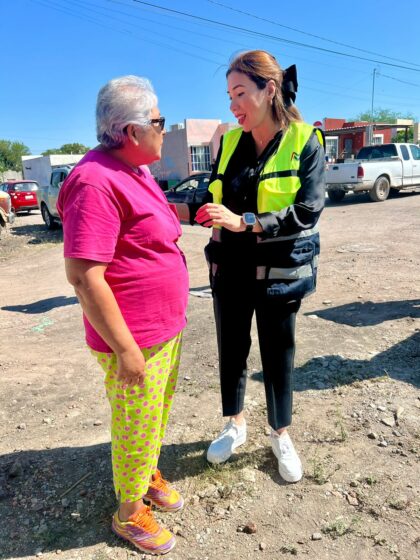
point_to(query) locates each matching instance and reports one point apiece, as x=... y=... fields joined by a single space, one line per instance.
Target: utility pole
x=373 y=94
x=370 y=129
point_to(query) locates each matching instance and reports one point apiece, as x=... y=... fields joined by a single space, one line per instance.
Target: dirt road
x=356 y=409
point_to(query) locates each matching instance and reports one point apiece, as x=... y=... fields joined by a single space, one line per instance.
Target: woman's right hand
x=130 y=367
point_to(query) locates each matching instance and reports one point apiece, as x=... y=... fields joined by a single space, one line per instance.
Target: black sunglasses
x=160 y=122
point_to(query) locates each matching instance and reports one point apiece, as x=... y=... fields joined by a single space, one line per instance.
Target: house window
x=378 y=139
x=200 y=158
x=331 y=146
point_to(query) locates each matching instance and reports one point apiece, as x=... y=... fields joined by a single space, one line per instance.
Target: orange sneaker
x=162 y=495
x=143 y=531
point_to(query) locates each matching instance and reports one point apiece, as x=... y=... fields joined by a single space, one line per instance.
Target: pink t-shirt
x=115 y=215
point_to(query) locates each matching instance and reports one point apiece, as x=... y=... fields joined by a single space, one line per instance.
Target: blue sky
x=57 y=54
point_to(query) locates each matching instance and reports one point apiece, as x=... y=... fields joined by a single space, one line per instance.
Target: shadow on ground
x=38 y=233
x=363 y=314
x=400 y=362
x=42 y=306
x=47 y=511
x=63 y=498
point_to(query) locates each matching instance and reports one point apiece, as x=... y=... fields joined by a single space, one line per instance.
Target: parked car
x=191 y=190
x=6 y=214
x=377 y=169
x=47 y=196
x=22 y=194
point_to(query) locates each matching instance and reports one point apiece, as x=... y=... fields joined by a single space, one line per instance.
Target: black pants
x=235 y=298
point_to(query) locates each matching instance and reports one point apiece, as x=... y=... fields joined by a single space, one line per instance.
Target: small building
x=188 y=148
x=344 y=139
x=38 y=168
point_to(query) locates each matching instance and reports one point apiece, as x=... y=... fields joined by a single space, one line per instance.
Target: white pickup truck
x=376 y=169
x=47 y=196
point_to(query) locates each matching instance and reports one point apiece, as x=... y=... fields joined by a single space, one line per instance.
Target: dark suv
x=193 y=189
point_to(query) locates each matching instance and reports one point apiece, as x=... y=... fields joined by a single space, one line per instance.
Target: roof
x=363 y=127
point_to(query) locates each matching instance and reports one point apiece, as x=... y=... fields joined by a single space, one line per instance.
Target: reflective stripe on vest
x=294 y=273
x=216 y=235
x=303 y=233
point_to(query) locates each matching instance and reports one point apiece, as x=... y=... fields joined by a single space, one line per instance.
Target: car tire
x=380 y=190
x=48 y=219
x=336 y=195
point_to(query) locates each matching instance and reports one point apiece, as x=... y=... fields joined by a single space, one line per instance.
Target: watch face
x=249 y=219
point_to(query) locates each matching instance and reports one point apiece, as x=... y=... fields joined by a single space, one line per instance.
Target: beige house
x=188 y=148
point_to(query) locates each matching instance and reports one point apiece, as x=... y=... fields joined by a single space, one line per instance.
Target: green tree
x=11 y=155
x=390 y=117
x=400 y=136
x=72 y=148
x=383 y=115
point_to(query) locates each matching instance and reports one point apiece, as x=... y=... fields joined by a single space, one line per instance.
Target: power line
x=218 y=39
x=397 y=80
x=273 y=37
x=308 y=34
x=87 y=6
x=90 y=19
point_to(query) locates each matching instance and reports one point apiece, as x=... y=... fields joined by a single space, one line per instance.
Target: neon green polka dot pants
x=139 y=416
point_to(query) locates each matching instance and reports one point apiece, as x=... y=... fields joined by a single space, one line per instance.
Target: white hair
x=123 y=101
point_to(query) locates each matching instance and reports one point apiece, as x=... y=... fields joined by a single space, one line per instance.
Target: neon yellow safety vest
x=279 y=180
x=289 y=263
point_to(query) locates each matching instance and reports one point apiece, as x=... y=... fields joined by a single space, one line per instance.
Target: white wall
x=10 y=176
x=175 y=162
x=38 y=168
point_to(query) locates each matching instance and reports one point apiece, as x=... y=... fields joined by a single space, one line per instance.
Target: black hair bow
x=289 y=86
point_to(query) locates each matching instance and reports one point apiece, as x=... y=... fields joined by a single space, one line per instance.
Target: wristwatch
x=249 y=220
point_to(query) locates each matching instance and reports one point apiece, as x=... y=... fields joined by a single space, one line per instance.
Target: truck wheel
x=48 y=219
x=380 y=189
x=335 y=195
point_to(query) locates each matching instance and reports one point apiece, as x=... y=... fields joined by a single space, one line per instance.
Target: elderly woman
x=121 y=253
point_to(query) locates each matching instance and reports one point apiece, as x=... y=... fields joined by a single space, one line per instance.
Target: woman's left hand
x=211 y=215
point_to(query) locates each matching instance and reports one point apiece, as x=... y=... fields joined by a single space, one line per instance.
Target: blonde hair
x=260 y=67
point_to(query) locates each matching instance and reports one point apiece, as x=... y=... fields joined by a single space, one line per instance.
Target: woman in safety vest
x=266 y=194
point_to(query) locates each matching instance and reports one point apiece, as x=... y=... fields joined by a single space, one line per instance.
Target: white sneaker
x=290 y=467
x=231 y=437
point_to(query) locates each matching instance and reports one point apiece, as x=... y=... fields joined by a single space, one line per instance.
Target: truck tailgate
x=341 y=173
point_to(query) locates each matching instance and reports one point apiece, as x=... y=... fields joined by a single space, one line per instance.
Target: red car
x=22 y=194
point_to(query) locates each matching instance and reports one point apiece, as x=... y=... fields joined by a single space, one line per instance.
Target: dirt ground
x=356 y=409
